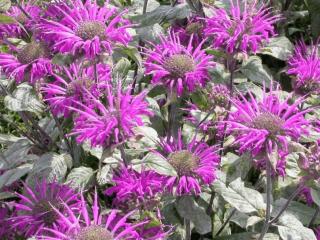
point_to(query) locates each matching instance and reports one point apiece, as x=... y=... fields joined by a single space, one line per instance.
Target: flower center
x=43 y=211
x=310 y=86
x=179 y=64
x=31 y=52
x=184 y=162
x=268 y=121
x=94 y=233
x=87 y=30
x=219 y=95
x=194 y=28
x=75 y=86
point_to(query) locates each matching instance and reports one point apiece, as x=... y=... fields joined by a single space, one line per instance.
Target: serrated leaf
x=12 y=175
x=23 y=99
x=161 y=14
x=104 y=176
x=245 y=200
x=5 y=19
x=278 y=47
x=188 y=208
x=51 y=166
x=80 y=178
x=159 y=164
x=291 y=228
x=255 y=71
x=131 y=52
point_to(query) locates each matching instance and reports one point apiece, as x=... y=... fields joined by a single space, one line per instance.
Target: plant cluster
x=147 y=120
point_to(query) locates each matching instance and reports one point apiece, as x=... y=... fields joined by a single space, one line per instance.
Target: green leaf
x=255 y=71
x=16 y=154
x=314 y=9
x=300 y=211
x=51 y=166
x=104 y=176
x=23 y=99
x=80 y=178
x=188 y=208
x=291 y=228
x=245 y=200
x=5 y=5
x=161 y=14
x=5 y=19
x=315 y=194
x=150 y=33
x=278 y=47
x=237 y=236
x=159 y=164
x=236 y=166
x=131 y=52
x=12 y=175
x=148 y=133
x=121 y=68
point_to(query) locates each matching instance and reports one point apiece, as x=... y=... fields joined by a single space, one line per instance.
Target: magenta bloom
x=99 y=226
x=134 y=189
x=244 y=28
x=62 y=93
x=86 y=28
x=195 y=164
x=305 y=66
x=178 y=67
x=259 y=126
x=31 y=63
x=109 y=123
x=14 y=29
x=35 y=208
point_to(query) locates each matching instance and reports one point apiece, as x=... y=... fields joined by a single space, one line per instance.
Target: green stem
x=269 y=196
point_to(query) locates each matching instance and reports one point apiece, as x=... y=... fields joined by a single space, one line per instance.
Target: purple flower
x=31 y=63
x=261 y=126
x=62 y=93
x=35 y=210
x=15 y=29
x=243 y=28
x=86 y=28
x=305 y=66
x=178 y=67
x=195 y=164
x=136 y=190
x=109 y=123
x=99 y=226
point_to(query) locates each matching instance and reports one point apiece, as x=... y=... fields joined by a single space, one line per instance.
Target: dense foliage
x=150 y=120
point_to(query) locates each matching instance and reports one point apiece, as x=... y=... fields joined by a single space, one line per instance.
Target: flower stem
x=226 y=222
x=188 y=229
x=269 y=195
x=293 y=195
x=145 y=5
